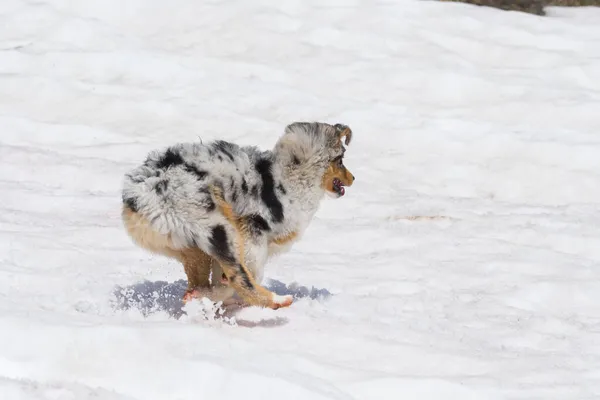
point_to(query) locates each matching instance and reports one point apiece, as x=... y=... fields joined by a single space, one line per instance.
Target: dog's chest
x=297 y=218
x=299 y=201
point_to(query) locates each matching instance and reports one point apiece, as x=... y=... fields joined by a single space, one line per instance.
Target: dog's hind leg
x=196 y=263
x=198 y=268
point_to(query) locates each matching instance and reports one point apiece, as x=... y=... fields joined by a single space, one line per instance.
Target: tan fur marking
x=196 y=264
x=285 y=239
x=334 y=171
x=138 y=227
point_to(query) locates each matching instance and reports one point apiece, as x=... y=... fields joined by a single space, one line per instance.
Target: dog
x=223 y=210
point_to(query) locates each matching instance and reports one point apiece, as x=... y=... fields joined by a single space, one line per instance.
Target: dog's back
x=171 y=188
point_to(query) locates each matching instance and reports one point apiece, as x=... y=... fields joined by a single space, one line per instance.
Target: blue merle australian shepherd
x=222 y=210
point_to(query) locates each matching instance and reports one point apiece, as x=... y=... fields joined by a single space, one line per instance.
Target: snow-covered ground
x=463 y=264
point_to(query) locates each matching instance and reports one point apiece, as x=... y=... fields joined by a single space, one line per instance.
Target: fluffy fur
x=226 y=207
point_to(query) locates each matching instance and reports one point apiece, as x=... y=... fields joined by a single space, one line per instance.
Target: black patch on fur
x=281 y=189
x=295 y=160
x=234 y=196
x=257 y=224
x=192 y=169
x=225 y=148
x=218 y=241
x=209 y=204
x=231 y=183
x=161 y=186
x=244 y=186
x=131 y=203
x=267 y=192
x=245 y=279
x=171 y=158
x=254 y=191
x=220 y=158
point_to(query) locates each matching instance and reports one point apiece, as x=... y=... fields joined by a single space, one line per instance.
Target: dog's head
x=317 y=147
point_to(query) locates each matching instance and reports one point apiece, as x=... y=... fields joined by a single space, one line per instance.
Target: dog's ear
x=303 y=141
x=342 y=130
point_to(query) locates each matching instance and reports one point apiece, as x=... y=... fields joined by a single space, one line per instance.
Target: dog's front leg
x=250 y=291
x=233 y=276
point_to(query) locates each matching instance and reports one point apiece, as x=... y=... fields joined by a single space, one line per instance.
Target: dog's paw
x=281 y=301
x=190 y=295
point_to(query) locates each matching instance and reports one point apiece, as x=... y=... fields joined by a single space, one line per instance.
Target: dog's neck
x=304 y=192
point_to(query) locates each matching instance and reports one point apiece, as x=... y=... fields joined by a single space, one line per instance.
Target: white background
x=488 y=121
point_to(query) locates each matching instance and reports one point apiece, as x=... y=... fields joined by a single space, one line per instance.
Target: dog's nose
x=353 y=178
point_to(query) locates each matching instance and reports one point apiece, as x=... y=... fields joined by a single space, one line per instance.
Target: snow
x=462 y=264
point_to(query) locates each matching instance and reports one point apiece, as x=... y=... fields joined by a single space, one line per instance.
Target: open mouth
x=338 y=187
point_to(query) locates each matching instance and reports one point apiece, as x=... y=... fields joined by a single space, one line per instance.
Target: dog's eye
x=338 y=161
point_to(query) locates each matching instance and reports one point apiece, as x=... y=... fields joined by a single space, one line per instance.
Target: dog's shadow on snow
x=150 y=297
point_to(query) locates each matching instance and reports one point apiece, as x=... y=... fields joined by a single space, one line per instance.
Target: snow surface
x=463 y=263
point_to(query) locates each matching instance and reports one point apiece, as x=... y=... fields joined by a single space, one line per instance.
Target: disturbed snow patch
x=150 y=297
x=206 y=311
x=160 y=296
